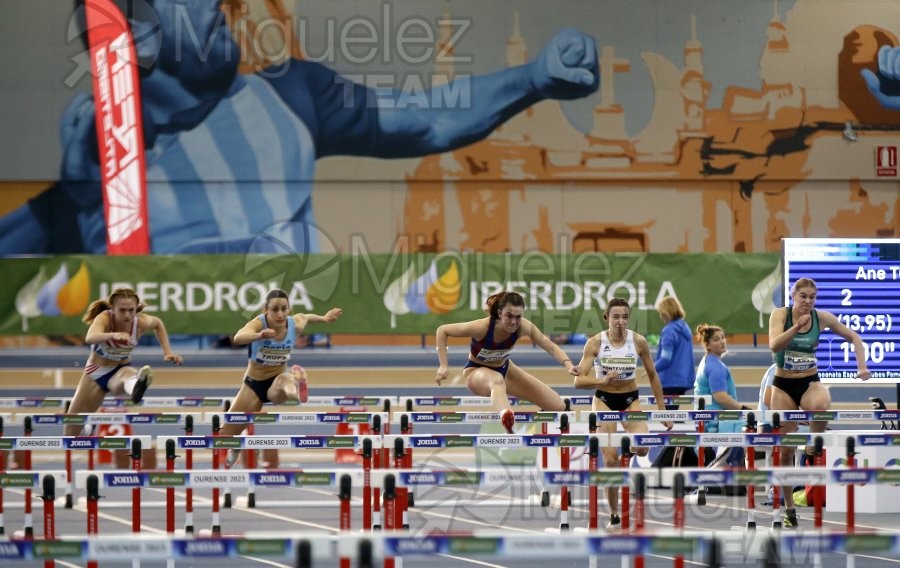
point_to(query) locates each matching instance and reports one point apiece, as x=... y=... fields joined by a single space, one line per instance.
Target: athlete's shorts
x=260 y=388
x=617 y=401
x=795 y=388
x=502 y=369
x=101 y=375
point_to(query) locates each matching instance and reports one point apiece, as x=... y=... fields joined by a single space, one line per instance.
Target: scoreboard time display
x=859 y=282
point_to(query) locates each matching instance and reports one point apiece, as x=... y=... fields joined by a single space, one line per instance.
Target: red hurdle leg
x=678 y=516
x=851 y=489
x=136 y=491
x=344 y=521
x=170 y=491
x=26 y=459
x=49 y=496
x=189 y=491
x=367 y=485
x=93 y=497
x=389 y=512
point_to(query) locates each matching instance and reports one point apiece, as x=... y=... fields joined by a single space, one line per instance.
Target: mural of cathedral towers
x=786 y=153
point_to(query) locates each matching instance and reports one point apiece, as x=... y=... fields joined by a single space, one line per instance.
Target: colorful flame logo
x=58 y=295
x=767 y=294
x=429 y=293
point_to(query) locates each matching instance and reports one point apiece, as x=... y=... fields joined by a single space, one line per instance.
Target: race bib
x=493 y=355
x=799 y=361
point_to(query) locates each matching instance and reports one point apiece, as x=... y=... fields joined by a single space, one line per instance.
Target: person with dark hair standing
x=614 y=354
x=674 y=359
x=116 y=325
x=270 y=337
x=793 y=336
x=489 y=370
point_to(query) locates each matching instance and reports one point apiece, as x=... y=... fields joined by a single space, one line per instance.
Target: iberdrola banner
x=117 y=103
x=392 y=293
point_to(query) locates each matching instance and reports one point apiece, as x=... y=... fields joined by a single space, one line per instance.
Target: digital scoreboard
x=858 y=281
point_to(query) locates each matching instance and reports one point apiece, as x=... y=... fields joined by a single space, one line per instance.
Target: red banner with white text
x=117 y=102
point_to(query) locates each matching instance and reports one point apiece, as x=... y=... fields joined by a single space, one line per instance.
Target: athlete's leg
x=283 y=389
x=245 y=401
x=522 y=384
x=88 y=398
x=483 y=381
x=783 y=401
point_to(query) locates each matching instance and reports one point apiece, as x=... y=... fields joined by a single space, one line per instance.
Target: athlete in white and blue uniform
x=269 y=338
x=230 y=159
x=116 y=325
x=613 y=354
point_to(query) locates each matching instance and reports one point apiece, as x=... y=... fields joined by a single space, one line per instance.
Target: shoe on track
x=508 y=419
x=614 y=524
x=145 y=379
x=302 y=385
x=790 y=519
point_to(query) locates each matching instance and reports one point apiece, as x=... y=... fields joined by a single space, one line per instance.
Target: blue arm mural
x=231 y=158
x=885 y=85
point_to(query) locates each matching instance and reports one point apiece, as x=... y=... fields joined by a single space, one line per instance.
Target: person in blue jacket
x=230 y=158
x=674 y=359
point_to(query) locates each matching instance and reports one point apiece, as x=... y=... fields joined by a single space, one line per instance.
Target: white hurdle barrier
x=310 y=549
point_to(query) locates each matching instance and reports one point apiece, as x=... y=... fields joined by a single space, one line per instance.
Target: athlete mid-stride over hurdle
x=489 y=370
x=116 y=325
x=269 y=338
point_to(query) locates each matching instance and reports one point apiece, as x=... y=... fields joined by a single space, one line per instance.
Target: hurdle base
x=776 y=525
x=251 y=500
x=188 y=529
x=226 y=501
x=751 y=525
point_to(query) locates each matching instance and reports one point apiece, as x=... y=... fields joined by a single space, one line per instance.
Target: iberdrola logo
x=54 y=296
x=429 y=293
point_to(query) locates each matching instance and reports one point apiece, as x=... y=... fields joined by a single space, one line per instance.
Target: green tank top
x=800 y=354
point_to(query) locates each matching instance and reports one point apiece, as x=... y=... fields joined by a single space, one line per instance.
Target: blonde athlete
x=116 y=325
x=793 y=337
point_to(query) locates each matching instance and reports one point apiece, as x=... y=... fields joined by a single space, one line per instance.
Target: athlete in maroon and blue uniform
x=489 y=370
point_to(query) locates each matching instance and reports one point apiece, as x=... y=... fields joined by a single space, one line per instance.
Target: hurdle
x=452 y=417
x=99 y=418
x=306 y=550
x=27 y=444
x=216 y=444
x=216 y=478
x=46 y=481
